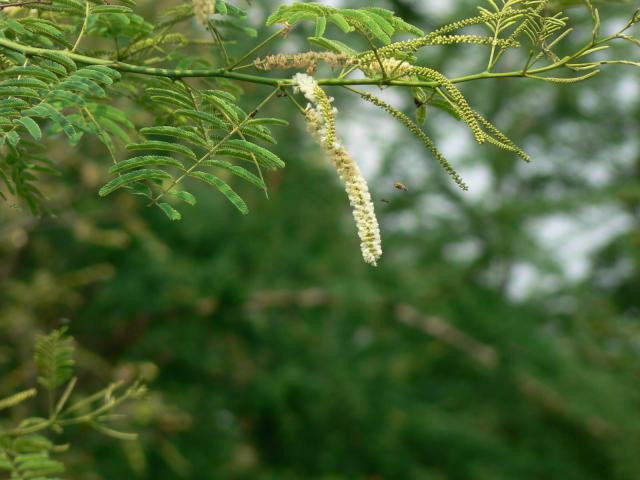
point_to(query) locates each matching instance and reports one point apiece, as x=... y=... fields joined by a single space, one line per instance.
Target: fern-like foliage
x=29 y=456
x=70 y=67
x=49 y=90
x=54 y=359
x=26 y=452
x=373 y=22
x=203 y=133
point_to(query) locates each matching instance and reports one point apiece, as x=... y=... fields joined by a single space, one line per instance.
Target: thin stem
x=375 y=53
x=100 y=133
x=492 y=57
x=216 y=35
x=196 y=107
x=258 y=47
x=242 y=67
x=84 y=26
x=295 y=102
x=23 y=4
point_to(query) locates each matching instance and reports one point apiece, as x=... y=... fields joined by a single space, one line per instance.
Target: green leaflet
x=19 y=92
x=178 y=93
x=221 y=103
x=30 y=71
x=131 y=177
x=321 y=26
x=107 y=111
x=170 y=101
x=225 y=8
x=74 y=6
x=94 y=75
x=212 y=120
x=13 y=138
x=68 y=99
x=47 y=111
x=48 y=29
x=61 y=59
x=115 y=129
x=14 y=103
x=222 y=94
x=221 y=7
x=29 y=82
x=185 y=196
x=114 y=74
x=37 y=465
x=238 y=171
x=163 y=147
x=176 y=132
x=54 y=359
x=233 y=24
x=171 y=97
x=53 y=67
x=332 y=45
x=270 y=159
x=224 y=188
x=366 y=23
x=15 y=26
x=259 y=132
x=85 y=86
x=31 y=126
x=373 y=22
x=172 y=213
x=110 y=9
x=341 y=22
x=145 y=161
x=268 y=121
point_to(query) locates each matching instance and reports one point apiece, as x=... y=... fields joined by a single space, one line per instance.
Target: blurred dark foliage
x=275 y=353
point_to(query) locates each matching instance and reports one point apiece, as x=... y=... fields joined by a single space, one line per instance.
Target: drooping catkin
x=399 y=69
x=204 y=9
x=417 y=131
x=466 y=112
x=320 y=116
x=308 y=60
x=500 y=140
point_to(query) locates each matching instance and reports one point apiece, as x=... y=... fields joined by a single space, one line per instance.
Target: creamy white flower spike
x=204 y=9
x=306 y=85
x=322 y=125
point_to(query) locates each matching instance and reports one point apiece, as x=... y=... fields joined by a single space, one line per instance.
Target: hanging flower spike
x=204 y=9
x=321 y=123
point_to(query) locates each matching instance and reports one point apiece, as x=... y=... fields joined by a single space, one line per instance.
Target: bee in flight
x=401 y=186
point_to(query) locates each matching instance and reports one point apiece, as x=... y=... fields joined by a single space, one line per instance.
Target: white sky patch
x=628 y=90
x=367 y=130
x=573 y=239
x=438 y=9
x=464 y=251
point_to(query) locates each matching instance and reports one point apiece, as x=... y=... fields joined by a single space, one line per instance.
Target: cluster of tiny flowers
x=204 y=9
x=321 y=124
x=393 y=67
x=308 y=60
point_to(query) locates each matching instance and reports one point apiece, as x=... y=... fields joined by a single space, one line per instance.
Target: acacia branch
x=23 y=4
x=279 y=82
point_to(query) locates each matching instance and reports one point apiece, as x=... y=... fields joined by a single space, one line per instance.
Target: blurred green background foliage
x=498 y=339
